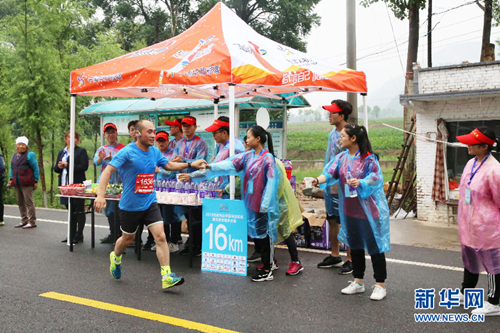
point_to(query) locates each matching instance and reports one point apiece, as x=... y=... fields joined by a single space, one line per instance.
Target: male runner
x=137 y=163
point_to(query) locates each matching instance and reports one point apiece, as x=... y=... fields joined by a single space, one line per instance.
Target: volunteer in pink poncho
x=479 y=216
x=363 y=209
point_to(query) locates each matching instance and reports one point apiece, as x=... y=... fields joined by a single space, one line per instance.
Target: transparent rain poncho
x=192 y=150
x=364 y=219
x=331 y=201
x=479 y=221
x=260 y=182
x=223 y=153
x=108 y=150
x=289 y=216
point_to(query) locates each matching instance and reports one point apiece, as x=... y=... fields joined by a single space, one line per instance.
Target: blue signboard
x=224 y=248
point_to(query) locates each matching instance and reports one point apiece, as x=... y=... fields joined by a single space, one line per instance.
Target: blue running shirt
x=130 y=162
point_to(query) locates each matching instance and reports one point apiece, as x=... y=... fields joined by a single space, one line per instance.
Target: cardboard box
x=319 y=231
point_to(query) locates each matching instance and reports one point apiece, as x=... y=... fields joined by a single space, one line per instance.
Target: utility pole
x=351 y=54
x=429 y=35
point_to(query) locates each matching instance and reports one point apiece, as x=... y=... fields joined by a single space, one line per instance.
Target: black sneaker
x=255 y=257
x=148 y=246
x=109 y=239
x=264 y=276
x=330 y=262
x=346 y=268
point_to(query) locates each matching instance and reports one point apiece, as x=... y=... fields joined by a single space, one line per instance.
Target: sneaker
x=346 y=268
x=295 y=268
x=274 y=266
x=255 y=257
x=173 y=247
x=148 y=246
x=379 y=293
x=29 y=225
x=153 y=248
x=264 y=276
x=115 y=269
x=353 y=288
x=330 y=261
x=171 y=280
x=2 y=224
x=109 y=239
x=461 y=298
x=488 y=309
x=132 y=245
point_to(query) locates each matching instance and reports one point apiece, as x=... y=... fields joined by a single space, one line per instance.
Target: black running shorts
x=130 y=221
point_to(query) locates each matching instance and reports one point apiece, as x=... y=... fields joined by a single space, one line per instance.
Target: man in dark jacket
x=62 y=168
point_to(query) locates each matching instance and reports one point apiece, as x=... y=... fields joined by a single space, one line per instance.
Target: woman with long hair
x=260 y=180
x=479 y=216
x=363 y=209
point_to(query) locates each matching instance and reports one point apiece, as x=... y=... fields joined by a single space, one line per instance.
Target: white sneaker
x=173 y=247
x=461 y=298
x=378 y=293
x=153 y=248
x=353 y=288
x=488 y=310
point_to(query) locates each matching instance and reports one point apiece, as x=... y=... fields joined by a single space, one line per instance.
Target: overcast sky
x=377 y=30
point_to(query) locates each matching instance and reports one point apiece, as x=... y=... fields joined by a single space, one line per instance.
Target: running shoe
x=295 y=268
x=274 y=266
x=379 y=293
x=115 y=269
x=354 y=288
x=148 y=246
x=488 y=309
x=171 y=280
x=330 y=262
x=2 y=224
x=255 y=257
x=264 y=276
x=346 y=268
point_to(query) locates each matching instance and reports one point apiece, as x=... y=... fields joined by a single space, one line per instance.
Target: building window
x=457 y=157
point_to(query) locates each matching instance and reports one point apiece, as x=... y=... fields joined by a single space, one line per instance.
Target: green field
x=308 y=141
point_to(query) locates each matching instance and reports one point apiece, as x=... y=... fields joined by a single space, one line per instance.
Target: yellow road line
x=137 y=313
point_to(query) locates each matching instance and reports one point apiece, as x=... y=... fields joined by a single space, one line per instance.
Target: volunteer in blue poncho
x=364 y=213
x=260 y=184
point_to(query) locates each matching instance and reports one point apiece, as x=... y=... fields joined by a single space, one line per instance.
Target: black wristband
x=189 y=164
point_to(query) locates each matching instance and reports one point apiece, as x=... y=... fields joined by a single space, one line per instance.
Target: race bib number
x=144 y=183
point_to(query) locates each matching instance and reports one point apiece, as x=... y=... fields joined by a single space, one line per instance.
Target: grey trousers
x=24 y=196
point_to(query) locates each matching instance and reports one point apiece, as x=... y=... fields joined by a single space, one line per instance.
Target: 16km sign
x=224 y=248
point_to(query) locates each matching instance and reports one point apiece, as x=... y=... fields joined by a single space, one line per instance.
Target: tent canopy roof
x=219 y=50
x=142 y=105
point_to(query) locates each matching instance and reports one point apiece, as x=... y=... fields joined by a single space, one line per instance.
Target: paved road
x=34 y=262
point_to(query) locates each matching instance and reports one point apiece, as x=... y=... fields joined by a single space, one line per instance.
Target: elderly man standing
x=24 y=174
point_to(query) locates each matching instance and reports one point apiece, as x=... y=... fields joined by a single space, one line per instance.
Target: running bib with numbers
x=144 y=183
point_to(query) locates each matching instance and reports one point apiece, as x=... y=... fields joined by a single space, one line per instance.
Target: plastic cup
x=185 y=198
x=192 y=198
x=308 y=181
x=169 y=197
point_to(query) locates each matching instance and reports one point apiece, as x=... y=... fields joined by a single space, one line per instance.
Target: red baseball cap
x=175 y=122
x=332 y=108
x=216 y=125
x=475 y=137
x=163 y=135
x=109 y=125
x=188 y=120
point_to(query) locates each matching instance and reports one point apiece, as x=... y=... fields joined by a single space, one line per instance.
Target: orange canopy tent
x=220 y=56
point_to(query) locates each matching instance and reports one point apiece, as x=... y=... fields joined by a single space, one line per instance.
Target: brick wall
x=478 y=76
x=466 y=110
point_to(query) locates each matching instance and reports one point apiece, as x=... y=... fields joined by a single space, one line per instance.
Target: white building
x=465 y=96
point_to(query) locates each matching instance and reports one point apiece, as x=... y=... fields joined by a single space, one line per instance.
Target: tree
x=487 y=48
x=284 y=21
x=376 y=111
x=407 y=9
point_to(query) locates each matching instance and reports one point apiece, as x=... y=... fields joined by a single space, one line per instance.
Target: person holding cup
x=363 y=208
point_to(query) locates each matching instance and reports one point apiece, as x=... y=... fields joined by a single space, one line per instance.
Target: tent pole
x=101 y=132
x=365 y=112
x=216 y=114
x=231 y=134
x=71 y=157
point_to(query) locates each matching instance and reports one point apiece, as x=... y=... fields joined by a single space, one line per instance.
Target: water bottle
x=201 y=191
x=194 y=188
x=164 y=186
x=179 y=188
x=214 y=190
x=352 y=191
x=171 y=185
x=187 y=187
x=210 y=189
